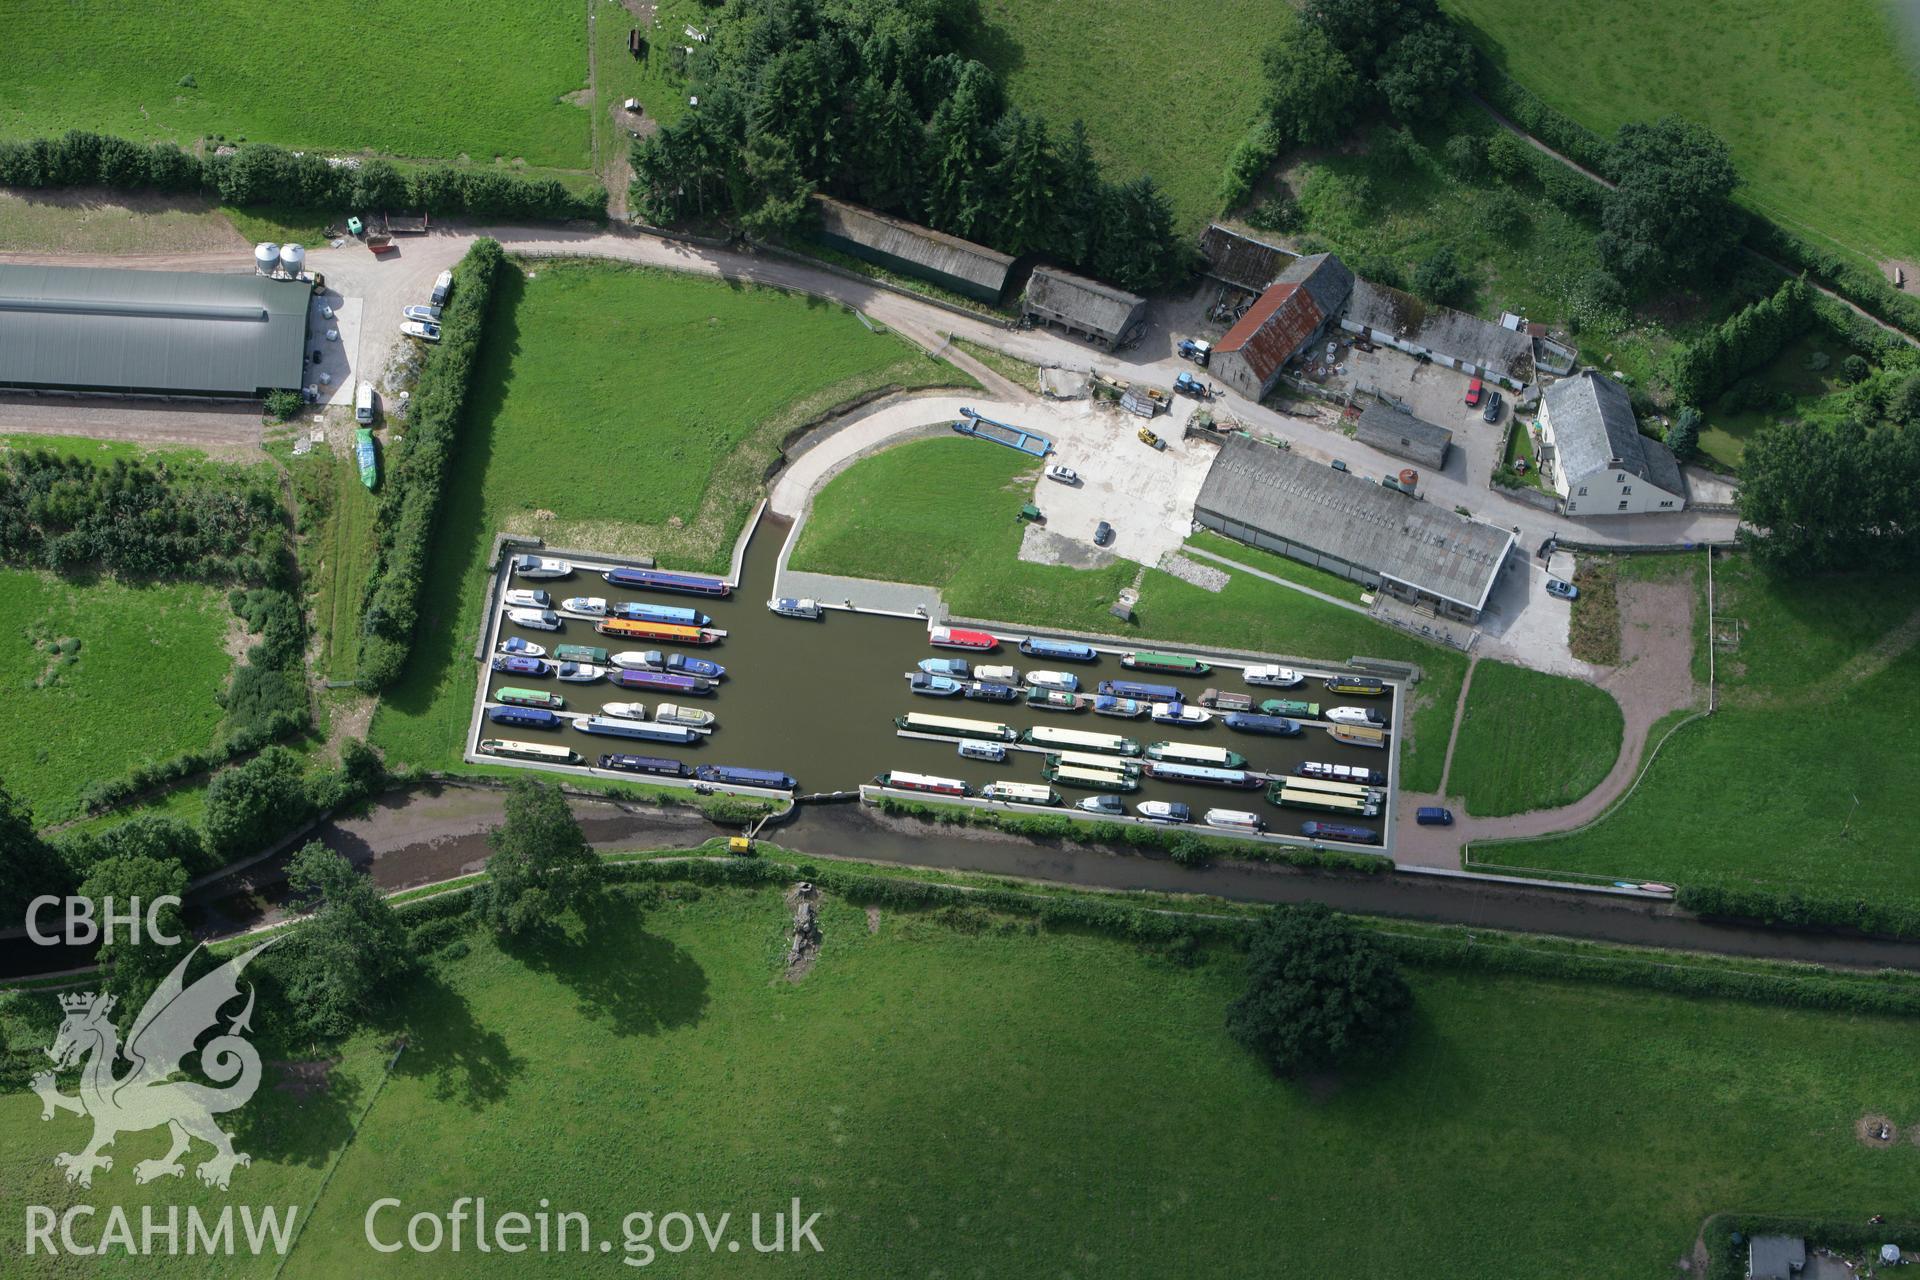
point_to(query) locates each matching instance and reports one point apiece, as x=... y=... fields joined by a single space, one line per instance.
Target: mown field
x=1819 y=101
x=1806 y=778
x=336 y=522
x=956 y=1095
x=1530 y=740
x=486 y=80
x=101 y=677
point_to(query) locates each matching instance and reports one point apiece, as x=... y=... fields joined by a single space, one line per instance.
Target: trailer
x=404 y=225
x=1030 y=442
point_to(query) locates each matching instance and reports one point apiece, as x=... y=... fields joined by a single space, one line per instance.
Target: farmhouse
x=170 y=333
x=1339 y=522
x=1079 y=305
x=1237 y=259
x=1290 y=316
x=1399 y=433
x=948 y=261
x=1441 y=334
x=1593 y=451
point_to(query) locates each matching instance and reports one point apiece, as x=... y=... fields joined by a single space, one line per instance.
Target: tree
x=150 y=835
x=342 y=960
x=541 y=863
x=1441 y=278
x=1310 y=85
x=28 y=865
x=1854 y=368
x=1421 y=68
x=956 y=195
x=250 y=804
x=135 y=968
x=1466 y=153
x=1832 y=499
x=1670 y=217
x=1025 y=177
x=1363 y=30
x=1684 y=436
x=885 y=145
x=1318 y=993
x=1137 y=249
x=1080 y=188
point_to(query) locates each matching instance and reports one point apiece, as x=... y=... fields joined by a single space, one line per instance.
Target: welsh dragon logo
x=148 y=1095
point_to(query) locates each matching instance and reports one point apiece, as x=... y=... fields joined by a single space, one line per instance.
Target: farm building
x=1399 y=433
x=1291 y=315
x=1237 y=259
x=168 y=333
x=1453 y=338
x=948 y=261
x=1776 y=1257
x=1594 y=454
x=1385 y=540
x=1079 y=305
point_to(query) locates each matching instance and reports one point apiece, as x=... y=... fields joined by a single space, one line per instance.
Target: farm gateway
x=163 y=1231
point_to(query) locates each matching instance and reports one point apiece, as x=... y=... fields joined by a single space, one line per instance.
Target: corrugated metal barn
x=1292 y=313
x=1079 y=305
x=948 y=261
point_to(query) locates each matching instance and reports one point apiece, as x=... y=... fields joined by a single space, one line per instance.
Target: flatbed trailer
x=1030 y=442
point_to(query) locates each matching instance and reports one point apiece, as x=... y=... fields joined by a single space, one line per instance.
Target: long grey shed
x=1403 y=435
x=948 y=261
x=1339 y=522
x=1080 y=305
x=151 y=332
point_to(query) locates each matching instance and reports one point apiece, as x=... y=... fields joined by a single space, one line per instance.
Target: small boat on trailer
x=1273 y=677
x=933 y=686
x=1171 y=663
x=582 y=672
x=927 y=783
x=734 y=775
x=691 y=717
x=1290 y=707
x=955 y=667
x=530 y=698
x=1140 y=690
x=796 y=607
x=645 y=730
x=673 y=615
x=1358 y=735
x=957 y=638
x=658 y=765
x=1204 y=775
x=696 y=584
x=581 y=653
x=1073 y=775
x=1125 y=708
x=1235 y=820
x=1054 y=700
x=986 y=691
x=993 y=751
x=1225 y=700
x=539 y=752
x=540 y=567
x=1341 y=773
x=1273 y=726
x=592 y=606
x=1181 y=713
x=1020 y=793
x=1059 y=650
x=522 y=647
x=1338 y=831
x=625 y=710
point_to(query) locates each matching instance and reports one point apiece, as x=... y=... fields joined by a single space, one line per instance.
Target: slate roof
x=1442 y=329
x=1776 y=1257
x=1238 y=259
x=1383 y=426
x=1594 y=430
x=107 y=328
x=1278 y=323
x=1086 y=304
x=1323 y=276
x=1363 y=523
x=935 y=250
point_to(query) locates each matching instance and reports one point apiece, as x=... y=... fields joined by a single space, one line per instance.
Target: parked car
x=1065 y=475
x=1433 y=815
x=1338 y=465
x=1102 y=534
x=1565 y=590
x=1474 y=391
x=1492 y=412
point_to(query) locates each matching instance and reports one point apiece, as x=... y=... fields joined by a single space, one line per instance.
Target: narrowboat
x=1290 y=707
x=368 y=459
x=734 y=775
x=1341 y=773
x=1192 y=753
x=1046 y=735
x=982 y=751
x=515 y=665
x=686 y=665
x=1073 y=775
x=1020 y=793
x=1171 y=663
x=528 y=598
x=592 y=606
x=1125 y=708
x=1180 y=713
x=645 y=730
x=581 y=653
x=537 y=619
x=1358 y=735
x=998 y=675
x=1093 y=760
x=1064 y=681
x=1357 y=686
x=955 y=638
x=1054 y=700
x=933 y=686
x=1319 y=801
x=530 y=698
x=1059 y=650
x=625 y=710
x=1107 y=806
x=901 y=780
x=1337 y=831
x=540 y=567
x=582 y=672
x=691 y=717
x=1356 y=715
x=1163 y=811
x=1143 y=692
x=644 y=764
x=1249 y=722
x=951 y=726
x=1235 y=820
x=794 y=607
x=1169 y=771
x=986 y=691
x=693 y=584
x=1273 y=677
x=671 y=632
x=524 y=717
x=672 y=614
x=955 y=667
x=523 y=647
x=1222 y=700
x=1324 y=787
x=663 y=681
x=538 y=751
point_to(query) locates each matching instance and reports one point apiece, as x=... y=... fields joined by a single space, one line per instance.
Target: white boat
x=1163 y=811
x=983 y=751
x=519 y=647
x=528 y=598
x=426 y=315
x=1064 y=681
x=632 y=659
x=625 y=710
x=1356 y=715
x=690 y=717
x=596 y=606
x=581 y=672
x=1235 y=820
x=538 y=619
x=540 y=567
x=1181 y=713
x=997 y=675
x=1274 y=677
x=1108 y=805
x=420 y=329
x=790 y=607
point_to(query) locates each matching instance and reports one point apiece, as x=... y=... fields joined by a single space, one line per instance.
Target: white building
x=1598 y=461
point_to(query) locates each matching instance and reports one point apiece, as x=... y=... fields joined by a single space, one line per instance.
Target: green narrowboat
x=1290 y=707
x=1172 y=663
x=530 y=698
x=580 y=653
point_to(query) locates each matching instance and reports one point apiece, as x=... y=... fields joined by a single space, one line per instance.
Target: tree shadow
x=631 y=981
x=465 y=1062
x=301 y=1115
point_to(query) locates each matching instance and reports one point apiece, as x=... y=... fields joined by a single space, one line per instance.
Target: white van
x=363 y=404
x=442 y=288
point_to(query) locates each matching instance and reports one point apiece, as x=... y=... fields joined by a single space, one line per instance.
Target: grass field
x=1817 y=100
x=140 y=685
x=968 y=1098
x=1160 y=90
x=336 y=523
x=1531 y=741
x=110 y=222
x=1279 y=566
x=484 y=80
x=1807 y=776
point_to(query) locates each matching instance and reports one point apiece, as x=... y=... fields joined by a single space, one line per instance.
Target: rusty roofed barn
x=1079 y=305
x=1291 y=315
x=948 y=261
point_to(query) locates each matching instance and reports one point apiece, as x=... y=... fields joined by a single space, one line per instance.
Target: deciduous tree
x=541 y=863
x=340 y=963
x=1670 y=217
x=1318 y=993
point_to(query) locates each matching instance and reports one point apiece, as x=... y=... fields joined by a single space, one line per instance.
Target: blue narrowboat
x=514 y=664
x=661 y=681
x=675 y=614
x=681 y=664
x=1136 y=689
x=933 y=686
x=1337 y=831
x=734 y=775
x=1252 y=722
x=1170 y=771
x=524 y=717
x=644 y=764
x=1063 y=650
x=693 y=584
x=955 y=667
x=1127 y=708
x=987 y=691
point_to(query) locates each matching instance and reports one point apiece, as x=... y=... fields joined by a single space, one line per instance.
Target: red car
x=1473 y=394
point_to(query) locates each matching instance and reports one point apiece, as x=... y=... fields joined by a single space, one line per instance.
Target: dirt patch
x=642 y=11
x=1901 y=274
x=804 y=901
x=873 y=926
x=235 y=642
x=1876 y=1130
x=304 y=1079
x=580 y=98
x=350 y=717
x=1595 y=631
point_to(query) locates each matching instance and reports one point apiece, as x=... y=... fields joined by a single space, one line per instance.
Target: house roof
x=1087 y=304
x=1378 y=422
x=1323 y=276
x=910 y=242
x=1365 y=524
x=1594 y=430
x=167 y=331
x=1776 y=1257
x=1279 y=323
x=1238 y=259
x=1442 y=329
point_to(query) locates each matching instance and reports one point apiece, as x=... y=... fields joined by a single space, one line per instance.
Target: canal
x=818 y=700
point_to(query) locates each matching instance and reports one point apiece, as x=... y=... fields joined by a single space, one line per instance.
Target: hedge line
x=258 y=173
x=1728 y=1261
x=1865 y=289
x=1744 y=341
x=1526 y=109
x=111 y=792
x=1765 y=906
x=417 y=471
